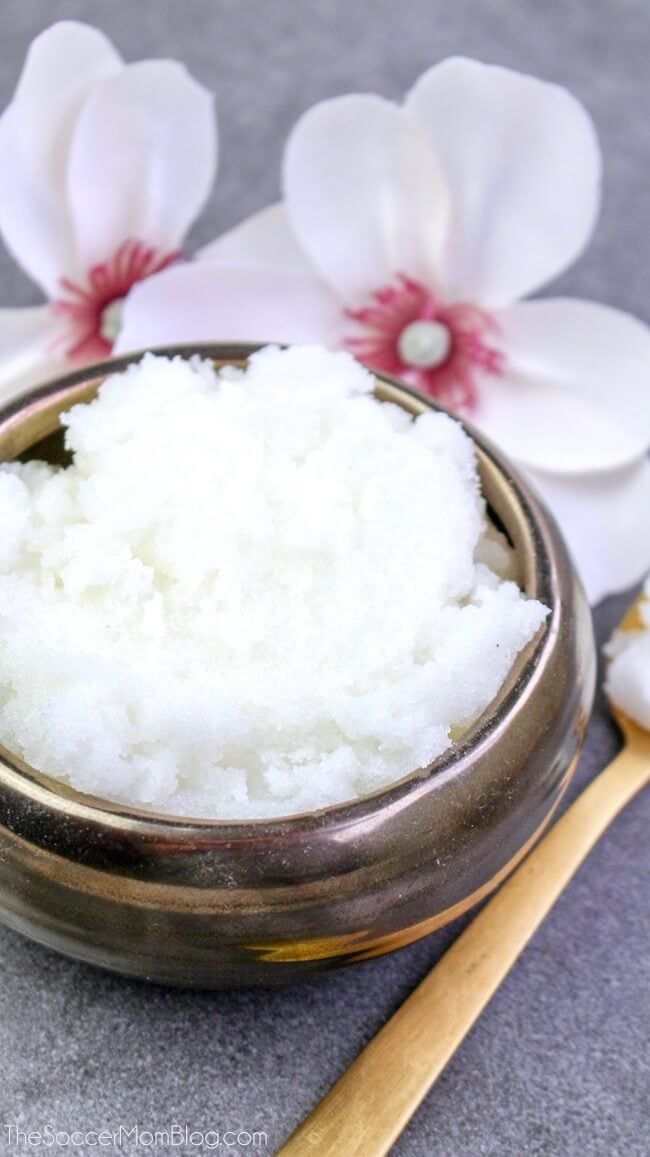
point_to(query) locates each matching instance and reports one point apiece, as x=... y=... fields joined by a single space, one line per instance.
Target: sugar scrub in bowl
x=251 y=593
x=293 y=667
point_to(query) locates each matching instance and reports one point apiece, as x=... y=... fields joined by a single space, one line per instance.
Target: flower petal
x=263 y=241
x=541 y=424
x=523 y=164
x=597 y=354
x=26 y=354
x=606 y=523
x=365 y=195
x=142 y=159
x=575 y=395
x=62 y=65
x=202 y=302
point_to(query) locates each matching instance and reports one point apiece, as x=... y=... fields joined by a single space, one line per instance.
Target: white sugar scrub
x=628 y=672
x=253 y=592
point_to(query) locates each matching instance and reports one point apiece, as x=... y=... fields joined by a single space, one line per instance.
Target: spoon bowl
x=632 y=732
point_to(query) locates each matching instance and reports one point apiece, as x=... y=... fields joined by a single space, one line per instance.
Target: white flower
x=103 y=167
x=408 y=235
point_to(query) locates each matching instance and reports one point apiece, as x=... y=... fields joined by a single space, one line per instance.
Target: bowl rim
x=542 y=574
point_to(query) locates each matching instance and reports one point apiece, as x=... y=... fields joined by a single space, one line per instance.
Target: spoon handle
x=366 y=1110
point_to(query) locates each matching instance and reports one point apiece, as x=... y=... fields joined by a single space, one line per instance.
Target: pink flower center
x=92 y=310
x=441 y=349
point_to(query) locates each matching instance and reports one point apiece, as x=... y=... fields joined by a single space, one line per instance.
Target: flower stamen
x=424 y=344
x=111 y=320
x=93 y=310
x=438 y=347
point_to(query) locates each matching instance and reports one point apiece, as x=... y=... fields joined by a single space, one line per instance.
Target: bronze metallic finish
x=212 y=904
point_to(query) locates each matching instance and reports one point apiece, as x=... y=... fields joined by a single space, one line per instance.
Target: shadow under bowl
x=214 y=904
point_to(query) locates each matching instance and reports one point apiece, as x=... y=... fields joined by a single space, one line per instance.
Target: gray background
x=558 y=1065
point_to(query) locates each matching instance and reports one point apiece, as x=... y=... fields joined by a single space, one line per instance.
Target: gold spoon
x=366 y=1110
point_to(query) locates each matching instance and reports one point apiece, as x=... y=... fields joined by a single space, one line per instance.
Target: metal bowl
x=213 y=904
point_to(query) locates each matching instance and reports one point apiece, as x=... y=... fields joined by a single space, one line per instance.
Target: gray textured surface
x=558 y=1065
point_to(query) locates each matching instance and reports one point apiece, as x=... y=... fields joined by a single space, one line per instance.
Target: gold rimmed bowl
x=214 y=904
